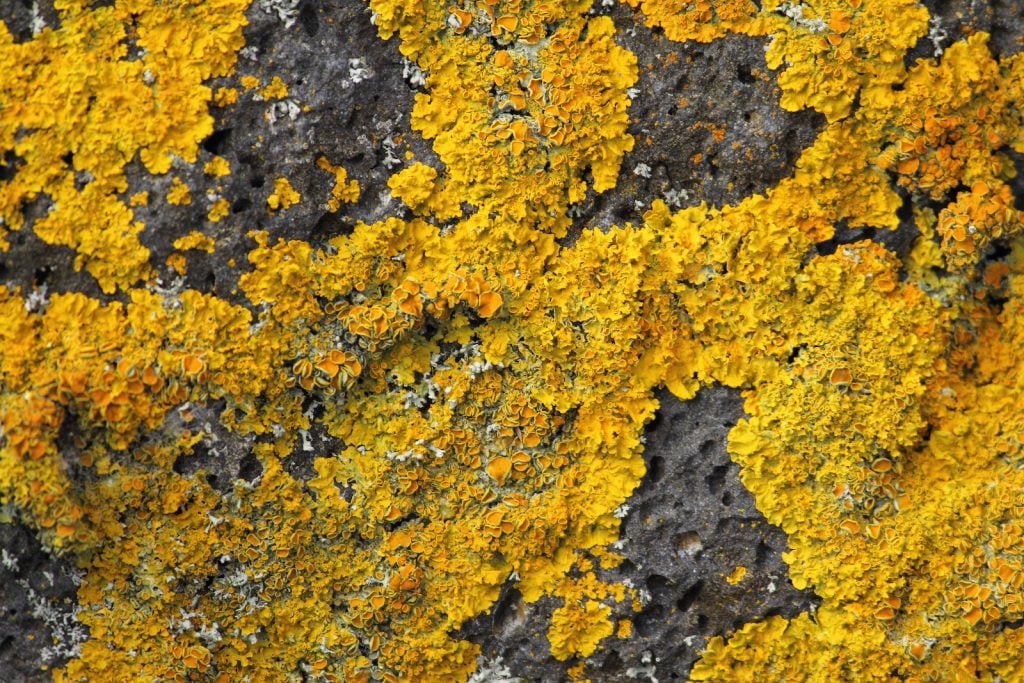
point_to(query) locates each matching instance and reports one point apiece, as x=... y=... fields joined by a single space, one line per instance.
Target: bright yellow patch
x=179 y=194
x=283 y=196
x=195 y=240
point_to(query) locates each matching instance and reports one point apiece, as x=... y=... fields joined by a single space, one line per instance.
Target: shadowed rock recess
x=687 y=529
x=511 y=341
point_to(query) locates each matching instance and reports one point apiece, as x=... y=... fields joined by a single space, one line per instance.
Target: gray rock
x=690 y=524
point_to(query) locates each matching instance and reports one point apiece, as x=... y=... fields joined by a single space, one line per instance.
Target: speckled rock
x=38 y=629
x=688 y=529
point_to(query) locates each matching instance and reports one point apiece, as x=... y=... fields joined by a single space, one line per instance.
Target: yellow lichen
x=217 y=167
x=224 y=97
x=179 y=193
x=116 y=106
x=283 y=196
x=275 y=90
x=219 y=209
x=577 y=629
x=736 y=575
x=344 y=190
x=700 y=20
x=195 y=240
x=486 y=387
x=178 y=263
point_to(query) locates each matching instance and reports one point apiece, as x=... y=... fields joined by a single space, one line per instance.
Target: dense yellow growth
x=485 y=389
x=81 y=101
x=524 y=98
x=700 y=20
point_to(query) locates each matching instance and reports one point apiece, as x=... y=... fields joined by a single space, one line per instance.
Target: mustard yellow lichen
x=195 y=240
x=219 y=210
x=488 y=387
x=179 y=193
x=344 y=190
x=224 y=97
x=275 y=90
x=217 y=167
x=115 y=106
x=283 y=196
x=580 y=627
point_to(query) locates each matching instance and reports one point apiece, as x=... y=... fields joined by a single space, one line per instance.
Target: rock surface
x=708 y=129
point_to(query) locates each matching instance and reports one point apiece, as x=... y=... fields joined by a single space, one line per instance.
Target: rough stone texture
x=707 y=125
x=690 y=524
x=350 y=95
x=708 y=128
x=37 y=607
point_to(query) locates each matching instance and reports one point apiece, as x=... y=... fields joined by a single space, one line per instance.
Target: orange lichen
x=482 y=389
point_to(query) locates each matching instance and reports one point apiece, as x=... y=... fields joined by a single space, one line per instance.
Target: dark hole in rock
x=505 y=607
x=1003 y=625
x=331 y=225
x=240 y=205
x=41 y=275
x=257 y=181
x=716 y=479
x=999 y=250
x=689 y=597
x=649 y=621
x=187 y=464
x=308 y=19
x=658 y=584
x=612 y=662
x=654 y=423
x=657 y=468
x=762 y=553
x=249 y=467
x=727 y=498
x=8 y=167
x=745 y=74
x=702 y=623
x=216 y=141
